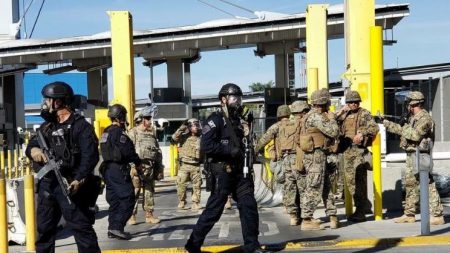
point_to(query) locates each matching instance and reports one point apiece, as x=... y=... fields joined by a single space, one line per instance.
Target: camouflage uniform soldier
x=418 y=132
x=188 y=136
x=147 y=148
x=285 y=133
x=317 y=131
x=358 y=128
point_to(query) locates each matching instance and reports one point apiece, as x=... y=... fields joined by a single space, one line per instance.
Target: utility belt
x=288 y=152
x=224 y=166
x=190 y=163
x=124 y=168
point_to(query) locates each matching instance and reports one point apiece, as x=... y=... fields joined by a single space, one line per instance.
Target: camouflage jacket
x=315 y=119
x=146 y=144
x=189 y=146
x=418 y=131
x=365 y=124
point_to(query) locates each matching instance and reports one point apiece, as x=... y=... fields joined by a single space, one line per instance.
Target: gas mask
x=234 y=104
x=47 y=112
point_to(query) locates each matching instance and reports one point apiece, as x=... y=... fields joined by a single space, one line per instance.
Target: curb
x=328 y=244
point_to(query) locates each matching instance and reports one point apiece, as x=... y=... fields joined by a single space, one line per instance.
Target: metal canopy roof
x=187 y=41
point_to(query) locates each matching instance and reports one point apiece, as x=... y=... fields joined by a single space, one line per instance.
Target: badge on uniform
x=211 y=124
x=228 y=168
x=104 y=138
x=123 y=139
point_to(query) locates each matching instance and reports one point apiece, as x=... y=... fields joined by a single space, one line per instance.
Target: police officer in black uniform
x=222 y=144
x=117 y=152
x=72 y=140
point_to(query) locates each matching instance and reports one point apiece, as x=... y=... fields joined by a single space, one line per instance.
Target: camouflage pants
x=188 y=173
x=329 y=184
x=355 y=171
x=149 y=191
x=314 y=163
x=293 y=185
x=412 y=191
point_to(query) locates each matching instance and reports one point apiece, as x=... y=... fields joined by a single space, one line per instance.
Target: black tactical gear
x=230 y=89
x=117 y=111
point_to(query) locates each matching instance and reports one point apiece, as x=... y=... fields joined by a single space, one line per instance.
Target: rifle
x=249 y=146
x=401 y=119
x=52 y=165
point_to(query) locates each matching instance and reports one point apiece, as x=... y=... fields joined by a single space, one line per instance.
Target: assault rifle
x=249 y=145
x=52 y=165
x=401 y=119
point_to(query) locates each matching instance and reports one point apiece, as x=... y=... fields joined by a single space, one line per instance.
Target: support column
x=174 y=73
x=98 y=87
x=187 y=88
x=317 y=45
x=122 y=60
x=359 y=17
x=280 y=71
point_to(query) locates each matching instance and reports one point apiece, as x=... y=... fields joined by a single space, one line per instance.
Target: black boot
x=119 y=235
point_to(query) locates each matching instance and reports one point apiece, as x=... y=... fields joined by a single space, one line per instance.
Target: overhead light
x=94 y=67
x=59 y=70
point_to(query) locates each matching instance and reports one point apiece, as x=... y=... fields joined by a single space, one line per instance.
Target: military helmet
x=117 y=111
x=192 y=121
x=283 y=111
x=138 y=118
x=230 y=89
x=299 y=106
x=320 y=97
x=352 y=96
x=415 y=97
x=59 y=90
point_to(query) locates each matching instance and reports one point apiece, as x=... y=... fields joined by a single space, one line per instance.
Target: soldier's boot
x=318 y=221
x=228 y=204
x=132 y=220
x=308 y=225
x=196 y=206
x=358 y=216
x=294 y=219
x=437 y=220
x=182 y=205
x=149 y=218
x=405 y=219
x=334 y=222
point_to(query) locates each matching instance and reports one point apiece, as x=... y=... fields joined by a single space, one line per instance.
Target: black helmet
x=59 y=90
x=230 y=89
x=117 y=111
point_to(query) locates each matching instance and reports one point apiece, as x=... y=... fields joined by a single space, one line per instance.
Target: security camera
x=163 y=123
x=19 y=130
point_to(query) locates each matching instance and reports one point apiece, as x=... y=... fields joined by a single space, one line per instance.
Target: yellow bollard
x=30 y=219
x=3 y=217
x=16 y=159
x=2 y=160
x=9 y=164
x=377 y=91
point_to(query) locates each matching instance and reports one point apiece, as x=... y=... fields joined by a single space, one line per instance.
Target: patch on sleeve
x=123 y=139
x=206 y=129
x=104 y=138
x=211 y=124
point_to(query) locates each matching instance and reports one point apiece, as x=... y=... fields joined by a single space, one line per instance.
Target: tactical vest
x=426 y=144
x=61 y=141
x=351 y=125
x=110 y=151
x=146 y=144
x=190 y=150
x=287 y=137
x=312 y=138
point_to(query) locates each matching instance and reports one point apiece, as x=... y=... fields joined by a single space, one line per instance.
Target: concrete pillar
x=174 y=73
x=280 y=71
x=97 y=82
x=187 y=88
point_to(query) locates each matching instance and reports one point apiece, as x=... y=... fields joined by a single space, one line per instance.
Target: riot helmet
x=233 y=94
x=117 y=111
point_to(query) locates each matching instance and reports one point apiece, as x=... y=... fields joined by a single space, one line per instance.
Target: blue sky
x=423 y=37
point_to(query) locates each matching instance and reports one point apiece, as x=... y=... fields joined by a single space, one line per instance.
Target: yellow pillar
x=9 y=164
x=312 y=81
x=317 y=43
x=16 y=159
x=377 y=81
x=359 y=17
x=2 y=160
x=30 y=219
x=3 y=216
x=123 y=60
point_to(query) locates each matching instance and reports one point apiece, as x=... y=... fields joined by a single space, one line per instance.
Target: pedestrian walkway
x=171 y=234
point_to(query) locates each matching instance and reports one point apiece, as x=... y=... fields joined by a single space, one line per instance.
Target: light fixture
x=90 y=68
x=59 y=70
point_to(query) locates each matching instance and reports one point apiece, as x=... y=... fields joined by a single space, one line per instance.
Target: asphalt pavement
x=173 y=231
